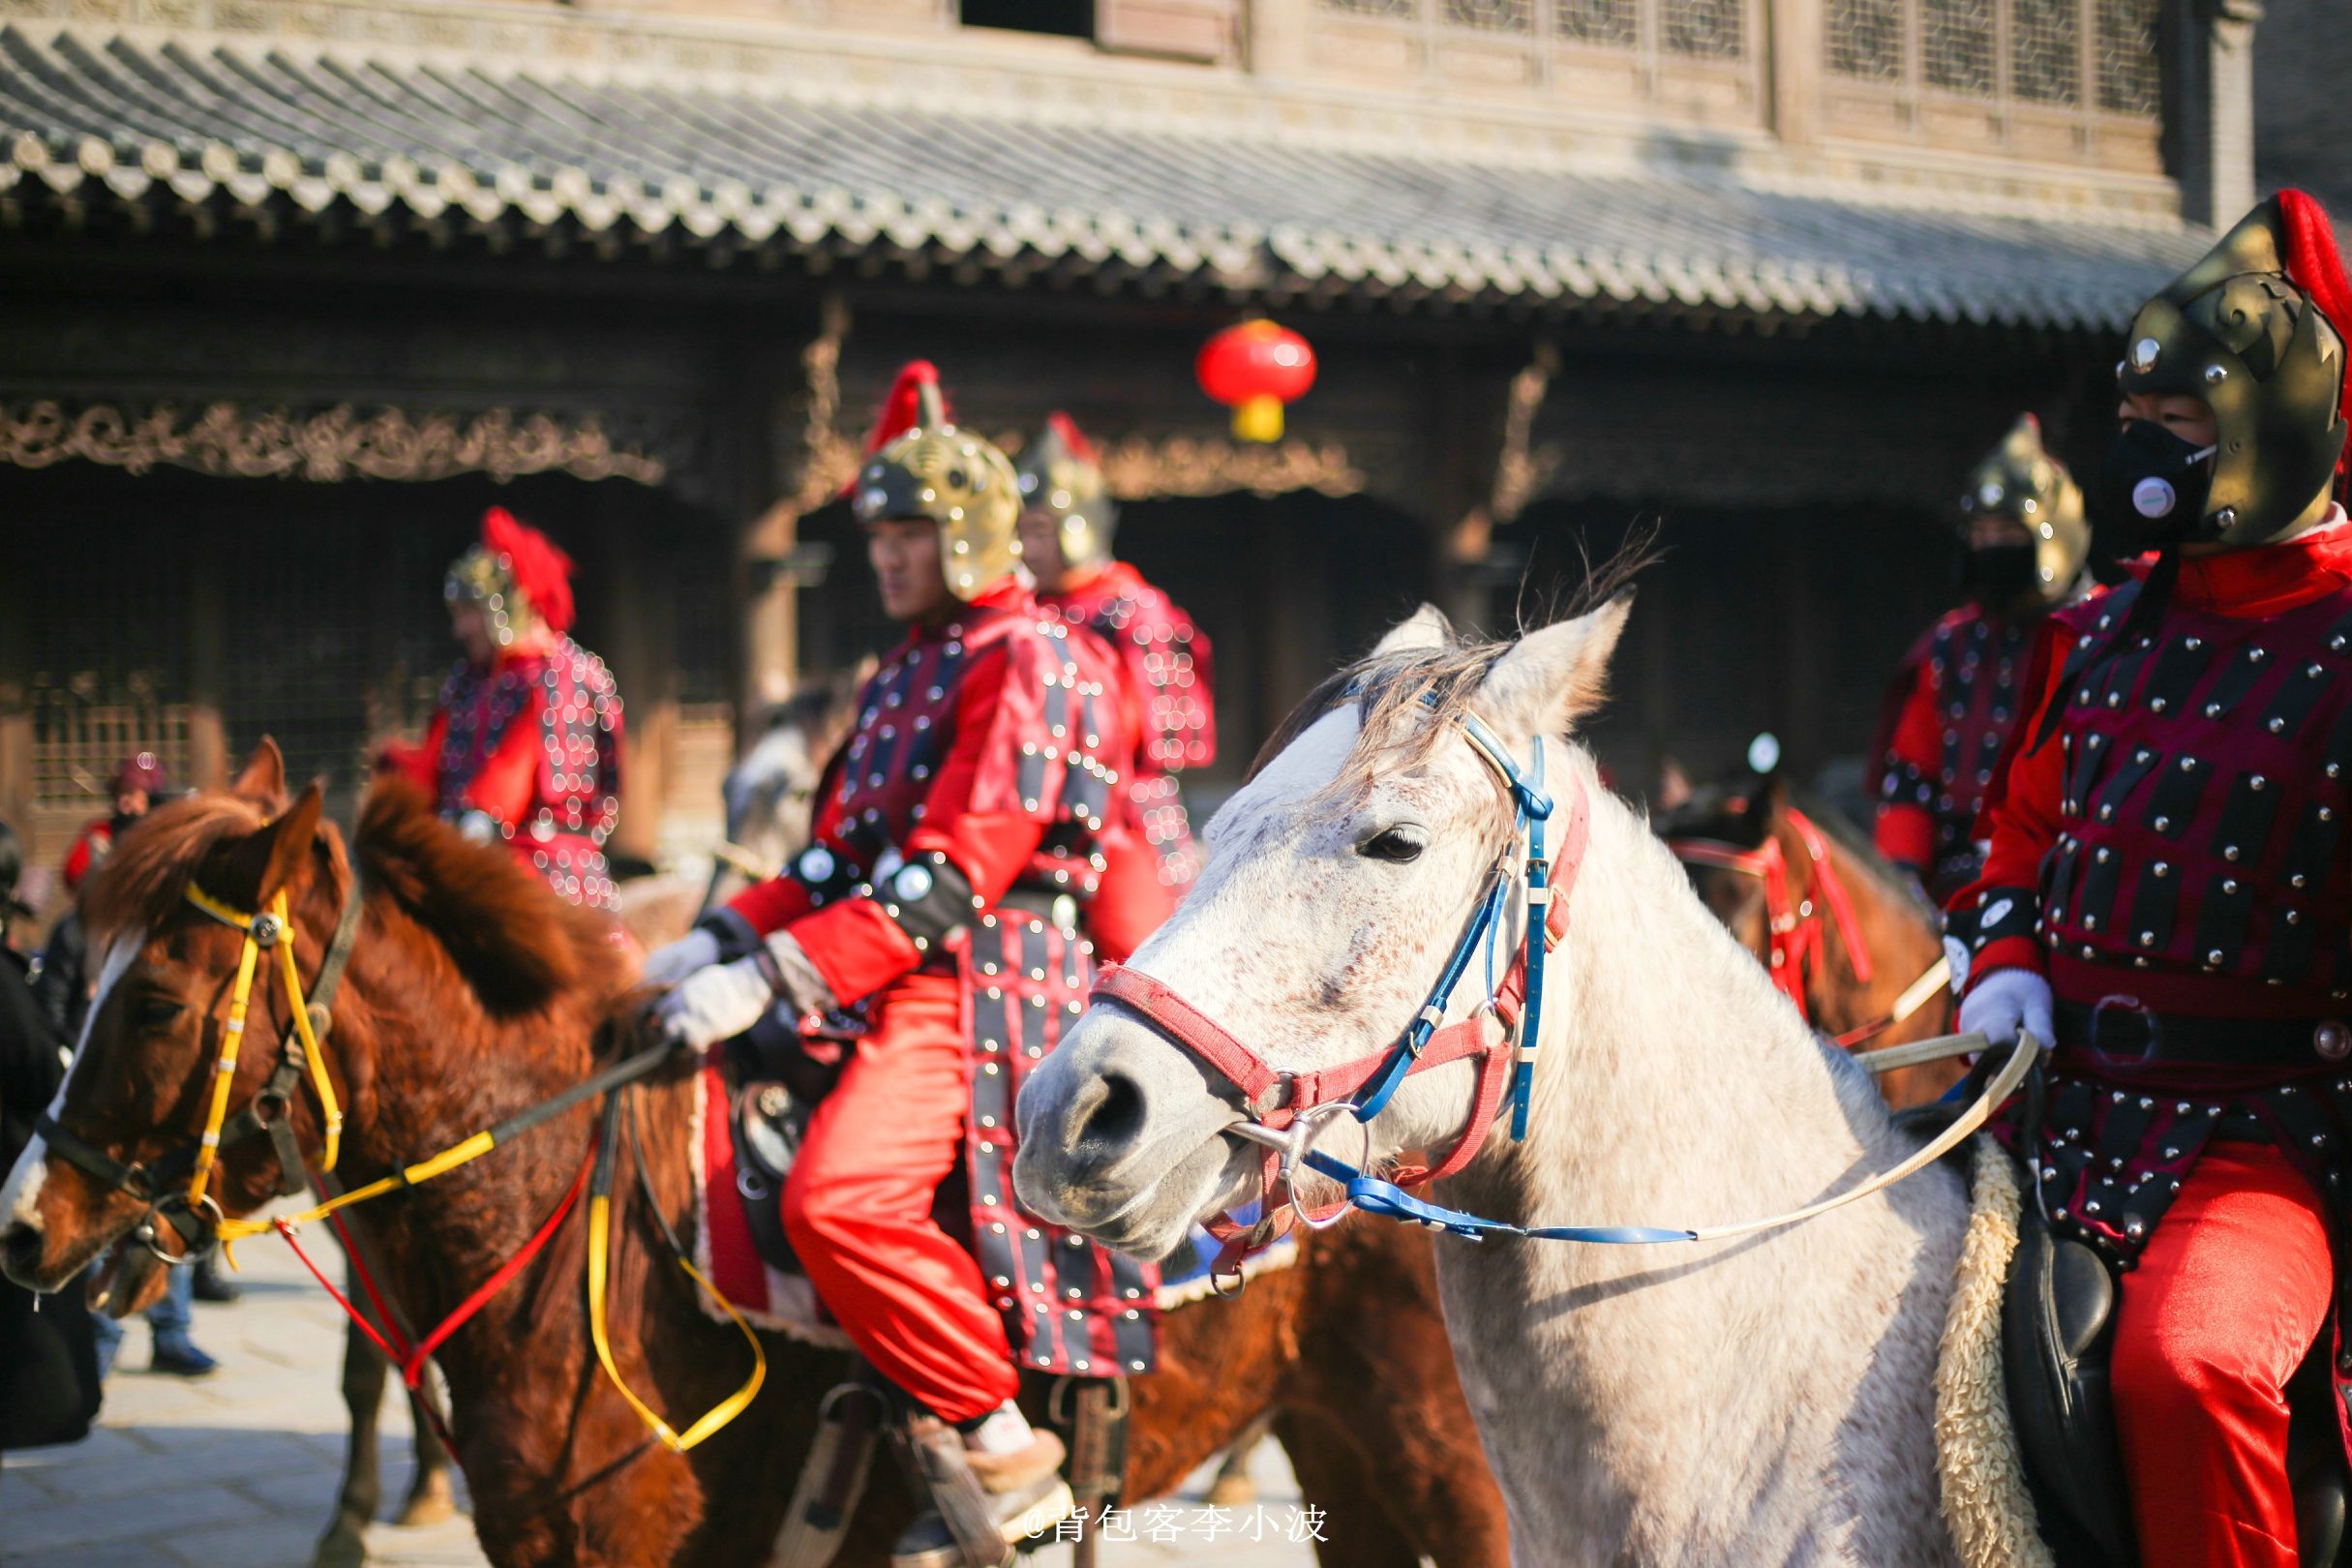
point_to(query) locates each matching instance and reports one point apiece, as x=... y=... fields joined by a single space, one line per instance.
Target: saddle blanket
x=784 y=1302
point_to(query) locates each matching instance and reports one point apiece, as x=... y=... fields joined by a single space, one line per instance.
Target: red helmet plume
x=542 y=573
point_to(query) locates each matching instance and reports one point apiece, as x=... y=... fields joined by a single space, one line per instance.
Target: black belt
x=2130 y=1035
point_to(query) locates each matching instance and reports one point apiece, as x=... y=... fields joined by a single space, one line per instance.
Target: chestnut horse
x=1768 y=870
x=473 y=993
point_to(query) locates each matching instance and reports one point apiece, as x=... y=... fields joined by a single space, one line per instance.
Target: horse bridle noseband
x=194 y=1212
x=1285 y=1112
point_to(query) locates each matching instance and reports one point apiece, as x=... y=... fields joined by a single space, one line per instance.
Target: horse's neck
x=1674 y=1086
x=1902 y=939
x=1670 y=1068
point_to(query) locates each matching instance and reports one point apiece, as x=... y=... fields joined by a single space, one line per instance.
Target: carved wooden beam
x=231 y=442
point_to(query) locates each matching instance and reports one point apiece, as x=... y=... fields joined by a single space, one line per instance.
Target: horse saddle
x=2057 y=1335
x=779 y=1079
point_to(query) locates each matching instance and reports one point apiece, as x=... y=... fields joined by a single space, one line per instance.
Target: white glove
x=2005 y=1001
x=714 y=1003
x=667 y=966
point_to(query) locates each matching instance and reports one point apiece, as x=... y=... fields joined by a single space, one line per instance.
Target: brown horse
x=1802 y=892
x=473 y=993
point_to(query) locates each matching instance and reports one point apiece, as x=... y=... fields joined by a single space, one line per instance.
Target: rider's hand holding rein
x=2004 y=1001
x=719 y=1000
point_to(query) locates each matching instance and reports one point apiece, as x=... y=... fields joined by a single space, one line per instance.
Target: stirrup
x=969 y=1527
x=832 y=1478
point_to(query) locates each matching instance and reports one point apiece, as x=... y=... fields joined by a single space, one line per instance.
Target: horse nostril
x=1113 y=1116
x=20 y=1249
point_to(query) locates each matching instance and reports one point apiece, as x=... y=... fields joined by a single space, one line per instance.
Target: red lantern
x=1255 y=368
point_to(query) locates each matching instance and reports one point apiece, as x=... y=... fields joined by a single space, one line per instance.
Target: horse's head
x=771 y=792
x=1720 y=834
x=142 y=1079
x=1339 y=882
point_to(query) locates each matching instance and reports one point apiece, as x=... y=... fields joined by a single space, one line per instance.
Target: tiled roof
x=399 y=138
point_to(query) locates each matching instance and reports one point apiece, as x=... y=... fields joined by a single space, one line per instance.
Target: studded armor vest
x=874 y=789
x=569 y=693
x=1167 y=661
x=2202 y=799
x=1966 y=677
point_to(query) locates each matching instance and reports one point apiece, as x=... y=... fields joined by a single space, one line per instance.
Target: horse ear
x=270 y=860
x=1554 y=676
x=1772 y=797
x=1425 y=631
x=263 y=779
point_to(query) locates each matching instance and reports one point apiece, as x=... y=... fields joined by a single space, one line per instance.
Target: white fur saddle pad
x=1986 y=1501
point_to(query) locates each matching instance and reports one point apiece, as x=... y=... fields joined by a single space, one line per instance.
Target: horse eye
x=154 y=1013
x=1396 y=845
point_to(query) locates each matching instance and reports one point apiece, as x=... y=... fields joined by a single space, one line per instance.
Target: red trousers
x=2228 y=1298
x=858 y=1207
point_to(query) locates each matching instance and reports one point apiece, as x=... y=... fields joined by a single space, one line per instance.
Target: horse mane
x=515 y=943
x=1404 y=698
x=147 y=873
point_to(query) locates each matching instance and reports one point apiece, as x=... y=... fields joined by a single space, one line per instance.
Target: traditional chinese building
x=296 y=287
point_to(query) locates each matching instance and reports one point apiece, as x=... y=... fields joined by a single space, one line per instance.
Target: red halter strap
x=1796 y=933
x=1275 y=1100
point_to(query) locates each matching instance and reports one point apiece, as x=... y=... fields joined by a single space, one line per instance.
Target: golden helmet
x=1062 y=474
x=2020 y=480
x=2247 y=330
x=919 y=466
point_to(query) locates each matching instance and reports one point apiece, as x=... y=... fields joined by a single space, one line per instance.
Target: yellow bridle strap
x=224 y=1070
x=240 y=999
x=600 y=1225
x=330 y=1110
x=424 y=1170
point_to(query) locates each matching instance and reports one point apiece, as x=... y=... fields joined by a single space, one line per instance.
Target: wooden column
x=794 y=461
x=637 y=644
x=2209 y=109
x=1795 y=81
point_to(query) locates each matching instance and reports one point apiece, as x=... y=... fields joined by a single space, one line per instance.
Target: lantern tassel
x=1258 y=419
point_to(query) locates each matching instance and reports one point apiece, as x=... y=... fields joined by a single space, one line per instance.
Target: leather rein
x=1287 y=1111
x=192 y=1212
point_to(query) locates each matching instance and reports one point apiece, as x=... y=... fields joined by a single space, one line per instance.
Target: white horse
x=1765 y=1401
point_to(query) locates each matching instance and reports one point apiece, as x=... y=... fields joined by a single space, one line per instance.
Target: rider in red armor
x=2166 y=893
x=1066 y=520
x=958 y=833
x=1954 y=701
x=524 y=743
x=140 y=780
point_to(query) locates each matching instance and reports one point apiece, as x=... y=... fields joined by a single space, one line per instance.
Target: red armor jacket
x=1948 y=717
x=995 y=743
x=2171 y=857
x=1169 y=685
x=985 y=763
x=533 y=742
x=2178 y=837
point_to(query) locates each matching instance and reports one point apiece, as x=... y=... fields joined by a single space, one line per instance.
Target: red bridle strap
x=1275 y=1100
x=1795 y=936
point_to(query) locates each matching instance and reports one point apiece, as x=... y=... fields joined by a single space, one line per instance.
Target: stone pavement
x=240 y=1470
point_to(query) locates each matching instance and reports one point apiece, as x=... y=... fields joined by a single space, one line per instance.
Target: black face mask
x=2000 y=577
x=2154 y=488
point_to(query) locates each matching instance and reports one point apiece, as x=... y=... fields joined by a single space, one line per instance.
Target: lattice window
x=1400 y=9
x=1866 y=39
x=2045 y=51
x=2129 y=83
x=1707 y=29
x=1491 y=15
x=1958 y=46
x=1609 y=24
